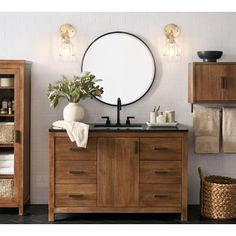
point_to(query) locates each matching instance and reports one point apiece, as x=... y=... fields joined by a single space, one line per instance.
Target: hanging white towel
x=6 y=156
x=7 y=164
x=77 y=131
x=229 y=130
x=6 y=171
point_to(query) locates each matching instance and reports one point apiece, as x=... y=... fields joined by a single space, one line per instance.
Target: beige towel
x=7 y=164
x=77 y=131
x=7 y=171
x=229 y=130
x=206 y=124
x=6 y=156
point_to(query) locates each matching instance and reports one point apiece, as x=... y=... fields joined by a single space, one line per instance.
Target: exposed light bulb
x=171 y=50
x=67 y=50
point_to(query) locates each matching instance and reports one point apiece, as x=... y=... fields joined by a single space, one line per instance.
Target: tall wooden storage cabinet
x=14 y=133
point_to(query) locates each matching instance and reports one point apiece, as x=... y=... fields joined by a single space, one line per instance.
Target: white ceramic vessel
x=73 y=112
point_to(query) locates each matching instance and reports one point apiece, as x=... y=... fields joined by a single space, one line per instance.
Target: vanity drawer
x=160 y=149
x=160 y=195
x=84 y=172
x=67 y=150
x=75 y=195
x=160 y=172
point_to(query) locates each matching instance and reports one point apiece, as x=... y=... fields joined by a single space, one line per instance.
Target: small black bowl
x=210 y=56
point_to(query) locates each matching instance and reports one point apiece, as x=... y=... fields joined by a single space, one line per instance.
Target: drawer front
x=66 y=150
x=75 y=195
x=160 y=149
x=160 y=195
x=160 y=172
x=83 y=172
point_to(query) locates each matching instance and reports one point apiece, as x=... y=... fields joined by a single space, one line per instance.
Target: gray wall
x=34 y=36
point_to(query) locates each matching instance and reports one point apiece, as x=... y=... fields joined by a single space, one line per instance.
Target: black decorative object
x=209 y=56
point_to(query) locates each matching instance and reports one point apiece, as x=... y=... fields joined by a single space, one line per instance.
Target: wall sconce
x=171 y=49
x=67 y=49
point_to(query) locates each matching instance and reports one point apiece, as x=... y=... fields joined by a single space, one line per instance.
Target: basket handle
x=200 y=173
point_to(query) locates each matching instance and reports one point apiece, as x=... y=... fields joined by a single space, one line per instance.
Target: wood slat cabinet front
x=212 y=82
x=119 y=172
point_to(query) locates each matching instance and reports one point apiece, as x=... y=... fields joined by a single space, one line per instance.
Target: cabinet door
x=229 y=83
x=208 y=82
x=118 y=172
x=12 y=93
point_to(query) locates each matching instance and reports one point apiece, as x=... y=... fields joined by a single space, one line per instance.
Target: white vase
x=73 y=112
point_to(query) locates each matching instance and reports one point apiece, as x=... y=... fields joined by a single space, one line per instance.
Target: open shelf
x=6 y=176
x=6 y=115
x=6 y=88
x=7 y=145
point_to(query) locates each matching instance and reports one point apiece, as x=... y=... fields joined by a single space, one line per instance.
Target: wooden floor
x=37 y=214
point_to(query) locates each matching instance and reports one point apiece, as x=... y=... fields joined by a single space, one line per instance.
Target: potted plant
x=75 y=89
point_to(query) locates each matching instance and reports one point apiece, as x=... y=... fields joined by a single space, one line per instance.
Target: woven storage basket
x=7 y=133
x=217 y=196
x=6 y=188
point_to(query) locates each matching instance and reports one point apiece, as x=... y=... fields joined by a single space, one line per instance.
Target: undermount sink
x=118 y=127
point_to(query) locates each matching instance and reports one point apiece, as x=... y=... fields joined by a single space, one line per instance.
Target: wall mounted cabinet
x=15 y=109
x=119 y=172
x=212 y=82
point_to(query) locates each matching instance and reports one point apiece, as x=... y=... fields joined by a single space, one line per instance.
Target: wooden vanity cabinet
x=212 y=82
x=119 y=172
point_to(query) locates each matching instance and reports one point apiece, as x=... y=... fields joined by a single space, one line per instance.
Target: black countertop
x=142 y=128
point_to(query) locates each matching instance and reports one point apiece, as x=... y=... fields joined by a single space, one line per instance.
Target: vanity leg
x=184 y=215
x=51 y=216
x=21 y=210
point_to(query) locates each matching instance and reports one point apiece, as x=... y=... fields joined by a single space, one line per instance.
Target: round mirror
x=124 y=63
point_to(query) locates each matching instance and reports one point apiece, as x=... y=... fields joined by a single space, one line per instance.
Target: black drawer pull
x=160 y=196
x=76 y=172
x=17 y=136
x=76 y=149
x=161 y=171
x=136 y=147
x=223 y=82
x=161 y=148
x=76 y=196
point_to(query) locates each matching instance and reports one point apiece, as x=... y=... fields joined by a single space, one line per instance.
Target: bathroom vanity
x=128 y=170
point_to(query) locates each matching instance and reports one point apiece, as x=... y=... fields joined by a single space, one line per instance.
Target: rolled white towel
x=7 y=164
x=6 y=171
x=6 y=156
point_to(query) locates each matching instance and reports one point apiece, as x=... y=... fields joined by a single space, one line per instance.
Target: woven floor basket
x=6 y=133
x=6 y=188
x=217 y=196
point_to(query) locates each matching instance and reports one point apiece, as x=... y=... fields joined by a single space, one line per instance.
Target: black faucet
x=118 y=111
